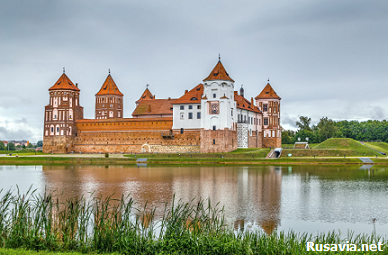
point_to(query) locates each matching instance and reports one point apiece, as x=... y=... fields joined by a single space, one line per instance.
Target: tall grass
x=105 y=224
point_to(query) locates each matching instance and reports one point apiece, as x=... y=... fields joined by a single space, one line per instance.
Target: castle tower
x=60 y=116
x=269 y=104
x=218 y=124
x=109 y=100
x=218 y=105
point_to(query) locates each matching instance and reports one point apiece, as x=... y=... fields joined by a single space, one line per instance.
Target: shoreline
x=152 y=159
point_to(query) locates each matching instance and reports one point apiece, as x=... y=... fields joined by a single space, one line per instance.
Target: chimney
x=169 y=98
x=186 y=91
x=76 y=85
x=252 y=101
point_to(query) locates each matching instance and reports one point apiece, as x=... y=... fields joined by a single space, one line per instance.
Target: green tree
x=287 y=136
x=304 y=123
x=11 y=146
x=39 y=143
x=326 y=128
x=2 y=146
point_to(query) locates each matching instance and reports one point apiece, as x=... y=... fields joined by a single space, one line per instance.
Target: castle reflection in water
x=250 y=196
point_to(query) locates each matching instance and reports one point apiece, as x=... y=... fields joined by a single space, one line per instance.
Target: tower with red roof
x=60 y=116
x=109 y=100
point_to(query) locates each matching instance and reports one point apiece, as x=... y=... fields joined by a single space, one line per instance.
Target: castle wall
x=274 y=142
x=134 y=136
x=218 y=140
x=255 y=141
x=57 y=144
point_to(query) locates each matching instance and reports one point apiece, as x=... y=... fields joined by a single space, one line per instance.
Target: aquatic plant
x=105 y=224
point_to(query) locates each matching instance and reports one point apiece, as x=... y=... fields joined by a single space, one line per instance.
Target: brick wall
x=134 y=136
x=255 y=141
x=57 y=144
x=272 y=142
x=218 y=141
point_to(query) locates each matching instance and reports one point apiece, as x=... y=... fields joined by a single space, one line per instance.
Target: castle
x=211 y=117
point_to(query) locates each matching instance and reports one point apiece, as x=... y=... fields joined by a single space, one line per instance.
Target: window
x=231 y=112
x=57 y=129
x=190 y=107
x=111 y=105
x=265 y=107
x=182 y=116
x=181 y=130
x=199 y=106
x=190 y=115
x=52 y=129
x=214 y=128
x=214 y=95
x=182 y=107
x=193 y=99
x=265 y=121
x=214 y=141
x=198 y=115
x=251 y=120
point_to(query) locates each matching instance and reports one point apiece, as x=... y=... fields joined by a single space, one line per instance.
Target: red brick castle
x=211 y=117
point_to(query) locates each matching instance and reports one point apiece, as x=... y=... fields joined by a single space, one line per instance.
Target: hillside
x=378 y=146
x=335 y=147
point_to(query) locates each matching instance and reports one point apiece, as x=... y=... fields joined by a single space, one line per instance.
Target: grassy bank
x=105 y=225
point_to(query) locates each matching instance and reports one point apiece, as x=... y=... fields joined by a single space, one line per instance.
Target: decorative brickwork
x=58 y=144
x=242 y=135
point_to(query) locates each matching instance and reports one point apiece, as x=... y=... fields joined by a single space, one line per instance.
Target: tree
x=2 y=146
x=287 y=136
x=304 y=123
x=11 y=146
x=39 y=143
x=326 y=128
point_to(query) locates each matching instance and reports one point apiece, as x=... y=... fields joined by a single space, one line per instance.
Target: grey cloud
x=10 y=134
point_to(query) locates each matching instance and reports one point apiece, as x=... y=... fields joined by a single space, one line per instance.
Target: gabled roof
x=64 y=83
x=146 y=96
x=244 y=103
x=219 y=73
x=268 y=92
x=154 y=107
x=191 y=97
x=109 y=87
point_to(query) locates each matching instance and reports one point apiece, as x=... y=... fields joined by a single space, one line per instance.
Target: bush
x=106 y=155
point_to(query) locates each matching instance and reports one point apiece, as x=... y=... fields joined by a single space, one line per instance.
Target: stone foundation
x=218 y=141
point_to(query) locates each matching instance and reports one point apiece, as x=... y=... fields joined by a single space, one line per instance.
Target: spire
x=219 y=73
x=109 y=87
x=219 y=57
x=242 y=91
x=268 y=92
x=64 y=83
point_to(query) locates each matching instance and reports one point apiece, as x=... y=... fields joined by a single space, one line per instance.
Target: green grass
x=334 y=147
x=378 y=146
x=32 y=223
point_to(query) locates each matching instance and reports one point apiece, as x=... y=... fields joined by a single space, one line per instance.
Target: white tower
x=217 y=104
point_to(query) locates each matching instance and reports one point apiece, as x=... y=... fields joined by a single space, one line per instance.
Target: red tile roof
x=244 y=103
x=268 y=92
x=109 y=87
x=219 y=73
x=146 y=96
x=154 y=107
x=191 y=97
x=64 y=83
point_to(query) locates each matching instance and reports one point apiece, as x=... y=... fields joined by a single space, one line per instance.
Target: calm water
x=303 y=198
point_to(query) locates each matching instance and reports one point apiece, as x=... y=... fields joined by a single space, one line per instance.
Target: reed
x=46 y=222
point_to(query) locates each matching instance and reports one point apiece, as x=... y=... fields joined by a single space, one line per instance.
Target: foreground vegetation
x=106 y=225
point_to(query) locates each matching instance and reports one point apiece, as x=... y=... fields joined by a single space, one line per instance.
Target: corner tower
x=109 y=100
x=269 y=104
x=60 y=116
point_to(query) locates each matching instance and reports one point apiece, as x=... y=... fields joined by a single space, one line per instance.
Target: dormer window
x=193 y=98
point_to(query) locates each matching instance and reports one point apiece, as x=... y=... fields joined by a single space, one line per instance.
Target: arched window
x=193 y=98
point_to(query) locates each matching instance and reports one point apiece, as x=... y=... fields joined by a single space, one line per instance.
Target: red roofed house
x=211 y=117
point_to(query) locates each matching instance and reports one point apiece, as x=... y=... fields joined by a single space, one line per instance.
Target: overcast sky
x=323 y=58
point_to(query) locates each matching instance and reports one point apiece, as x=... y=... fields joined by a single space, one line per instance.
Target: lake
x=311 y=198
